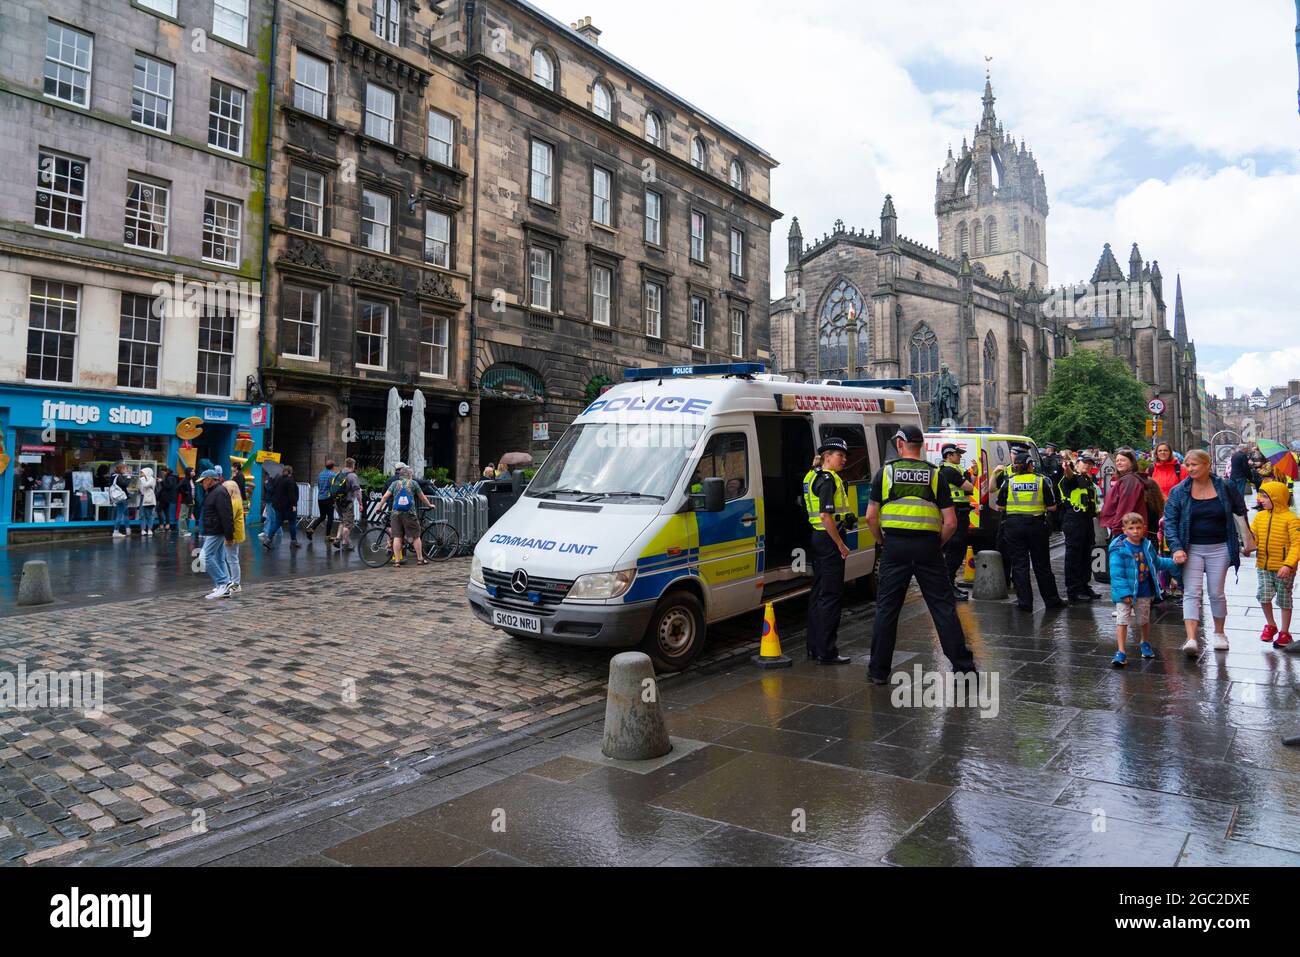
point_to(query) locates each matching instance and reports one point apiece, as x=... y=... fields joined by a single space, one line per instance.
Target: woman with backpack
x=1166 y=470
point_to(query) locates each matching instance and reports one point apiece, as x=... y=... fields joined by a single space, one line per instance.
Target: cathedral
x=978 y=308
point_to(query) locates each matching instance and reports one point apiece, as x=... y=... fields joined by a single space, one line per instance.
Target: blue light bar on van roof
x=680 y=372
x=878 y=383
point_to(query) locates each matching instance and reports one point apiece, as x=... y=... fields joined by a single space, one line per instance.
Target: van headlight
x=476 y=571
x=602 y=586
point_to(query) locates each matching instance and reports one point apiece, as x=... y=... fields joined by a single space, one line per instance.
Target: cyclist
x=403 y=523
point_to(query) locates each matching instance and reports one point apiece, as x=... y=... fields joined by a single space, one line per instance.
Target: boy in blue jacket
x=1135 y=583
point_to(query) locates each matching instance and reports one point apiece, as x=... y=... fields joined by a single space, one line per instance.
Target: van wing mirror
x=712 y=497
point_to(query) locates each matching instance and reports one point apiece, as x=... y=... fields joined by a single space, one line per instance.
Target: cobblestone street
x=232 y=708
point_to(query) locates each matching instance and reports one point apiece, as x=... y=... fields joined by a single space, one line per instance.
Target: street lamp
x=851 y=326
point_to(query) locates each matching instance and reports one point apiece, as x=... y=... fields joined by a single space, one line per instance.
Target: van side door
x=730 y=541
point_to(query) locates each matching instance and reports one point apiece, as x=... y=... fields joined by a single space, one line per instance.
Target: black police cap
x=1023 y=458
x=948 y=449
x=833 y=445
x=910 y=434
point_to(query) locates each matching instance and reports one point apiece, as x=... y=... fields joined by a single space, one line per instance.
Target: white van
x=676 y=500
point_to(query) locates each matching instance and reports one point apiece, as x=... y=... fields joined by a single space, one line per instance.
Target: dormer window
x=543 y=69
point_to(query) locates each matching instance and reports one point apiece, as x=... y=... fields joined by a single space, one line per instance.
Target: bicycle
x=439 y=539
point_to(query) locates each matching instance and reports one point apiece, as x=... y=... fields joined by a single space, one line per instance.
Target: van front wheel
x=675 y=635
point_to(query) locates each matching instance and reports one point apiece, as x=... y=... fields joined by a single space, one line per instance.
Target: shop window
x=52 y=330
x=139 y=343
x=725 y=457
x=216 y=352
x=72 y=473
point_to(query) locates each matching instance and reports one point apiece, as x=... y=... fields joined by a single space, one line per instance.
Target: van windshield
x=615 y=460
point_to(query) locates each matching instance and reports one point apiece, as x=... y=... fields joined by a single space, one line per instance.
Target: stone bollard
x=990 y=577
x=634 y=721
x=34 y=588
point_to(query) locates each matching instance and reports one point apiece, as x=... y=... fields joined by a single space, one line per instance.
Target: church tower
x=991 y=203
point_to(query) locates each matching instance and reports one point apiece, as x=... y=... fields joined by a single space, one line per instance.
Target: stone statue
x=945 y=397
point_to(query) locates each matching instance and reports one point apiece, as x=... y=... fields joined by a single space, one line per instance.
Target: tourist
x=328 y=483
x=234 y=486
x=1166 y=470
x=345 y=505
x=1133 y=584
x=148 y=486
x=168 y=490
x=1277 y=532
x=1201 y=526
x=217 y=521
x=1124 y=494
x=121 y=481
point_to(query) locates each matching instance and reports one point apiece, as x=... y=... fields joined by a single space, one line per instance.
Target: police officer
x=960 y=487
x=829 y=514
x=1026 y=499
x=1052 y=471
x=911 y=513
x=1078 y=512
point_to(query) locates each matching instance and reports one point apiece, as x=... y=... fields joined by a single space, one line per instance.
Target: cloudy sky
x=1170 y=123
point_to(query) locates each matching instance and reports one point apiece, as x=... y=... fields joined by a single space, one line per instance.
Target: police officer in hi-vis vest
x=1027 y=498
x=912 y=515
x=1078 y=511
x=960 y=487
x=829 y=514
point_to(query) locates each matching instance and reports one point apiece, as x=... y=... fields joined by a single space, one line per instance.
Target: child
x=1277 y=536
x=1134 y=584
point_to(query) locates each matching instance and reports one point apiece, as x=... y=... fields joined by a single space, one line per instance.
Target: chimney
x=1293 y=387
x=588 y=31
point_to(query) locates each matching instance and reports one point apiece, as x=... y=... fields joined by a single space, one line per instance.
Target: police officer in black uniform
x=1025 y=500
x=827 y=504
x=911 y=514
x=961 y=488
x=1052 y=471
x=1078 y=512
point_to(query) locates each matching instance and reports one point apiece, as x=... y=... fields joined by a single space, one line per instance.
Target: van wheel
x=675 y=634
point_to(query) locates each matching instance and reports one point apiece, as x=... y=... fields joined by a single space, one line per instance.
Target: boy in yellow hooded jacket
x=1277 y=534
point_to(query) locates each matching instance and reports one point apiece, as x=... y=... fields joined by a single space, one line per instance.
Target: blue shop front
x=64 y=443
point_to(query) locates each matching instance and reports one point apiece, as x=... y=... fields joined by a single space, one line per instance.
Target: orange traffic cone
x=969 y=574
x=769 y=649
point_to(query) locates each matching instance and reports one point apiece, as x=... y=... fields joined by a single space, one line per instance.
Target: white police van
x=675 y=500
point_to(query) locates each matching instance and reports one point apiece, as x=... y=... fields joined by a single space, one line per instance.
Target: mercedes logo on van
x=519 y=581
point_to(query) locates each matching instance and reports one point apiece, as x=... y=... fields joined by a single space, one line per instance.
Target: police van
x=675 y=500
x=985 y=454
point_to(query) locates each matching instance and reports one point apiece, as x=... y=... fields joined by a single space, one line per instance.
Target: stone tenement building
x=617 y=225
x=916 y=309
x=134 y=137
x=1124 y=315
x=371 y=234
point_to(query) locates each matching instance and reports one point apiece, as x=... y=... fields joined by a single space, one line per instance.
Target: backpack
x=403 y=501
x=338 y=488
x=116 y=494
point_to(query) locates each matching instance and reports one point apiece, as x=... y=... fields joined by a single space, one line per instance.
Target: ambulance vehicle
x=675 y=500
x=984 y=455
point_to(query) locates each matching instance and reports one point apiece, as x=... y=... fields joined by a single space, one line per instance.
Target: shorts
x=404 y=525
x=1270 y=585
x=347 y=515
x=1138 y=613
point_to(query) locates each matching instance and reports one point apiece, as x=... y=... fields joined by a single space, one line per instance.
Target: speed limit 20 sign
x=1156 y=406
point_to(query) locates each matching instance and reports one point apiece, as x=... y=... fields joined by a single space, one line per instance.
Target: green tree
x=1092 y=399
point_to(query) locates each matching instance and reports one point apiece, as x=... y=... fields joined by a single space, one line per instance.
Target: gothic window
x=924 y=367
x=833 y=337
x=963 y=240
x=977 y=239
x=990 y=380
x=991 y=235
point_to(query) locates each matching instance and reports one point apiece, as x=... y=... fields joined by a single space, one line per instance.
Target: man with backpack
x=404 y=524
x=345 y=501
x=328 y=484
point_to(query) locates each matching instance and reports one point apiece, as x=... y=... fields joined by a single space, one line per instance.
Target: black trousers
x=827 y=598
x=954 y=551
x=326 y=507
x=1027 y=543
x=905 y=558
x=1077 y=527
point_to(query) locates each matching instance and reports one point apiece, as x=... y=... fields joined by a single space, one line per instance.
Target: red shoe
x=1283 y=639
x=1269 y=633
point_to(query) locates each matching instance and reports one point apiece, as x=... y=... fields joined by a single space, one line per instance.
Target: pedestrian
x=1154 y=503
x=404 y=523
x=1239 y=471
x=199 y=494
x=1166 y=470
x=1201 y=526
x=168 y=490
x=1276 y=530
x=827 y=504
x=119 y=493
x=234 y=486
x=281 y=509
x=218 y=523
x=1125 y=493
x=185 y=501
x=148 y=486
x=912 y=515
x=327 y=486
x=1052 y=469
x=1078 y=505
x=960 y=488
x=345 y=504
x=1025 y=500
x=1134 y=586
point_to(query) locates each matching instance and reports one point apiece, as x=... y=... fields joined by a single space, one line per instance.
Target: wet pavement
x=464 y=747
